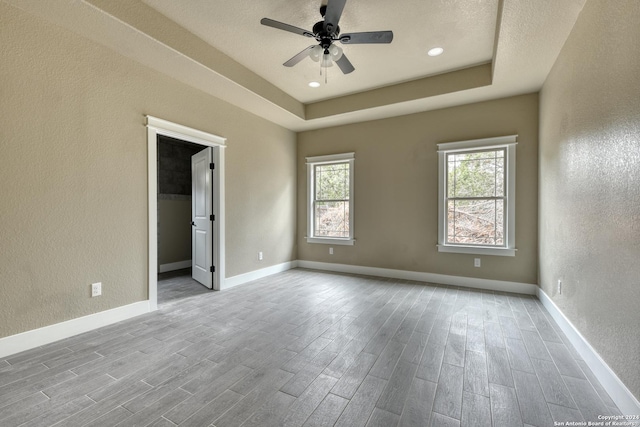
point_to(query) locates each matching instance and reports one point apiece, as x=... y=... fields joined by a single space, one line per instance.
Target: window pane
x=332 y=182
x=476 y=174
x=332 y=219
x=476 y=222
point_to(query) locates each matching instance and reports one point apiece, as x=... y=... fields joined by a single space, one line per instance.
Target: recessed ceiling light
x=435 y=51
x=314 y=84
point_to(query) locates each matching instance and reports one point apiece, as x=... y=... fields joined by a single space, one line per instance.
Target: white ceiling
x=493 y=49
x=465 y=28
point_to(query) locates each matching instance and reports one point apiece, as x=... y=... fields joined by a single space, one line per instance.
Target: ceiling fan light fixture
x=326 y=60
x=315 y=53
x=335 y=52
x=435 y=51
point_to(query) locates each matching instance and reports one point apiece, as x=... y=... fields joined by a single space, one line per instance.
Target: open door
x=202 y=217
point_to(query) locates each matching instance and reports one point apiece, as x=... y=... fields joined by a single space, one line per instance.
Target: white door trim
x=155 y=127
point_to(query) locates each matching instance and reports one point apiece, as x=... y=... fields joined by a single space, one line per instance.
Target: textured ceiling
x=493 y=49
x=465 y=28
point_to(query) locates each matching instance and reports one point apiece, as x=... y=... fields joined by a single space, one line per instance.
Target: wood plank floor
x=174 y=286
x=307 y=348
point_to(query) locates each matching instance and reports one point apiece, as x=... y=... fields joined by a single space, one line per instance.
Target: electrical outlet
x=259 y=256
x=476 y=262
x=560 y=287
x=330 y=251
x=96 y=289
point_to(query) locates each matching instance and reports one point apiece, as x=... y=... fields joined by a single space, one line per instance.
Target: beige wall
x=590 y=183
x=174 y=231
x=74 y=176
x=396 y=187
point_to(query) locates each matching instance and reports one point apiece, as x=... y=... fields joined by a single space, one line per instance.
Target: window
x=477 y=196
x=330 y=199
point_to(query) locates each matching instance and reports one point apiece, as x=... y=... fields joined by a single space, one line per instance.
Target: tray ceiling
x=493 y=49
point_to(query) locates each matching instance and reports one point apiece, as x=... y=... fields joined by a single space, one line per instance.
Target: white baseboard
x=38 y=337
x=619 y=393
x=470 y=282
x=163 y=268
x=240 y=279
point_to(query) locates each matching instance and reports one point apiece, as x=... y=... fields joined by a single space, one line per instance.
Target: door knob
x=193 y=223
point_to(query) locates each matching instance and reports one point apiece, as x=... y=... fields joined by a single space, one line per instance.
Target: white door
x=201 y=214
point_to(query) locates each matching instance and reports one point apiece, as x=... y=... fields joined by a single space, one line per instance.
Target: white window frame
x=509 y=144
x=348 y=158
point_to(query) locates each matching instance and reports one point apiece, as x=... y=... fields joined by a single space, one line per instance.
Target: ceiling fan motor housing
x=321 y=33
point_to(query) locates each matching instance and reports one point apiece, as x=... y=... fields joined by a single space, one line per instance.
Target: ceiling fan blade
x=368 y=37
x=333 y=14
x=286 y=27
x=299 y=57
x=345 y=64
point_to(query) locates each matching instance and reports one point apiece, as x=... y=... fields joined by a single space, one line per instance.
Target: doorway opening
x=175 y=219
x=179 y=237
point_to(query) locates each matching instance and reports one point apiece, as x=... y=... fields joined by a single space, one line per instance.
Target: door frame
x=155 y=127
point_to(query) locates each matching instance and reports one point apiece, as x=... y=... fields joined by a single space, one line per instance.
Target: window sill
x=331 y=241
x=477 y=250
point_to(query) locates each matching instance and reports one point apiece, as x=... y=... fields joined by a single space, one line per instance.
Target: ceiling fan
x=326 y=32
